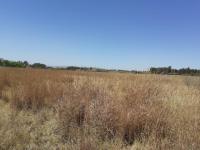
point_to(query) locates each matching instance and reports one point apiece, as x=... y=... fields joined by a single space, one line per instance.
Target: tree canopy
x=170 y=70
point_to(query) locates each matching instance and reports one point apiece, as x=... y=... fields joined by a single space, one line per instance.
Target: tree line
x=171 y=71
x=20 y=64
x=159 y=70
x=25 y=64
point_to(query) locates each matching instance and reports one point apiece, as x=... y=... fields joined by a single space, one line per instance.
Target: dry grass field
x=53 y=110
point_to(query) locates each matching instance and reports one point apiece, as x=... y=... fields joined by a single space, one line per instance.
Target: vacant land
x=48 y=109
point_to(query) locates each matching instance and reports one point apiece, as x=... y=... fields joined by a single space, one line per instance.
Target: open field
x=52 y=109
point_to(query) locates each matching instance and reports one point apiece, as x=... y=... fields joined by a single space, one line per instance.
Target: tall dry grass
x=48 y=109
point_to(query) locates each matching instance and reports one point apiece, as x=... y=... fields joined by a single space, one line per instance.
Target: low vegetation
x=58 y=109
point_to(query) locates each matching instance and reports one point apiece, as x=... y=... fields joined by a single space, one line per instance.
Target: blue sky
x=120 y=34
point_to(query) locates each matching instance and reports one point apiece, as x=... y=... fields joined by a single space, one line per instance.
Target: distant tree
x=26 y=64
x=72 y=68
x=38 y=65
x=153 y=70
x=169 y=69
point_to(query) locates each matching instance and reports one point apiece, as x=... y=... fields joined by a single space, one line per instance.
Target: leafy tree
x=38 y=65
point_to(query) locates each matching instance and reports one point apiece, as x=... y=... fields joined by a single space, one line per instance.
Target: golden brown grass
x=48 y=109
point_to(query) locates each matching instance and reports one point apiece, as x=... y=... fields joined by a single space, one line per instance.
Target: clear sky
x=125 y=34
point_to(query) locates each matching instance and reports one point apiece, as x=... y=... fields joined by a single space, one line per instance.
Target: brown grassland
x=54 y=109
